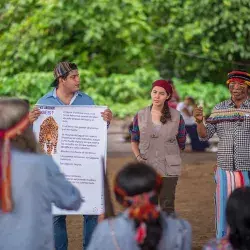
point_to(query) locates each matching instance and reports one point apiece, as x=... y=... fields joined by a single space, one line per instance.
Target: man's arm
x=201 y=130
x=34 y=114
x=204 y=132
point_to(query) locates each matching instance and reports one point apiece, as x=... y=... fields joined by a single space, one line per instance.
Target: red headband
x=5 y=166
x=239 y=80
x=239 y=76
x=141 y=208
x=164 y=84
x=123 y=194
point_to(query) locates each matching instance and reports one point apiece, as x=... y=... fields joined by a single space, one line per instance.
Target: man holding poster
x=66 y=92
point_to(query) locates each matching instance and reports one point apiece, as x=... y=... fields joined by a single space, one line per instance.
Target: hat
x=61 y=69
x=164 y=84
x=239 y=76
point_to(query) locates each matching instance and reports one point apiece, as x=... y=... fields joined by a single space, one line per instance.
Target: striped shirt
x=222 y=244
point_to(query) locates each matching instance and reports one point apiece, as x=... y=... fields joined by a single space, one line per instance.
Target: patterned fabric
x=226 y=182
x=233 y=130
x=222 y=244
x=227 y=115
x=61 y=69
x=181 y=137
x=239 y=76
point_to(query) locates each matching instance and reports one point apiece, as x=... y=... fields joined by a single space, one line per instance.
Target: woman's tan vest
x=160 y=149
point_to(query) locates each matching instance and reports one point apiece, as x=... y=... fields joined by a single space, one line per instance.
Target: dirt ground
x=194 y=198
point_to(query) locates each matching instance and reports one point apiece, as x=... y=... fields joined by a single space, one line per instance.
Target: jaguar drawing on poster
x=48 y=136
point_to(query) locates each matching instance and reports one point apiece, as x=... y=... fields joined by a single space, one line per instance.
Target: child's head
x=189 y=100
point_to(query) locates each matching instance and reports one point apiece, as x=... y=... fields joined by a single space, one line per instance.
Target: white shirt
x=189 y=120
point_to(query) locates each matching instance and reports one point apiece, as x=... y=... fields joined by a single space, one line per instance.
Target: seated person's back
x=142 y=225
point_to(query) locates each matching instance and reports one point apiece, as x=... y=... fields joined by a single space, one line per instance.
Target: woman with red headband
x=142 y=225
x=29 y=183
x=157 y=136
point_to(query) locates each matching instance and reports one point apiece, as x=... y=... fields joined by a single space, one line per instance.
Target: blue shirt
x=79 y=98
x=176 y=234
x=36 y=183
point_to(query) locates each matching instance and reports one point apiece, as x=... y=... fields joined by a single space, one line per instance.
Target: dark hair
x=238 y=218
x=166 y=115
x=56 y=82
x=190 y=98
x=12 y=110
x=135 y=179
x=170 y=81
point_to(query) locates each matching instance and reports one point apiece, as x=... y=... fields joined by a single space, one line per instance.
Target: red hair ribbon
x=6 y=203
x=141 y=207
x=141 y=233
x=143 y=210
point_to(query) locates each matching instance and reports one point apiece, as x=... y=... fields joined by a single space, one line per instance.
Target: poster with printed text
x=76 y=138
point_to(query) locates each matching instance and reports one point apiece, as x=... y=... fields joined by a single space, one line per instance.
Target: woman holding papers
x=157 y=136
x=29 y=183
x=142 y=225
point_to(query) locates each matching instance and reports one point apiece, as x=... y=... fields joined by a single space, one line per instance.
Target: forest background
x=122 y=46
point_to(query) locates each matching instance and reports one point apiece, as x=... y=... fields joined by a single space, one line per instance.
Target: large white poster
x=76 y=137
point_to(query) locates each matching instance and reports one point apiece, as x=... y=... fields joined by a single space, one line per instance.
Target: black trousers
x=167 y=195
